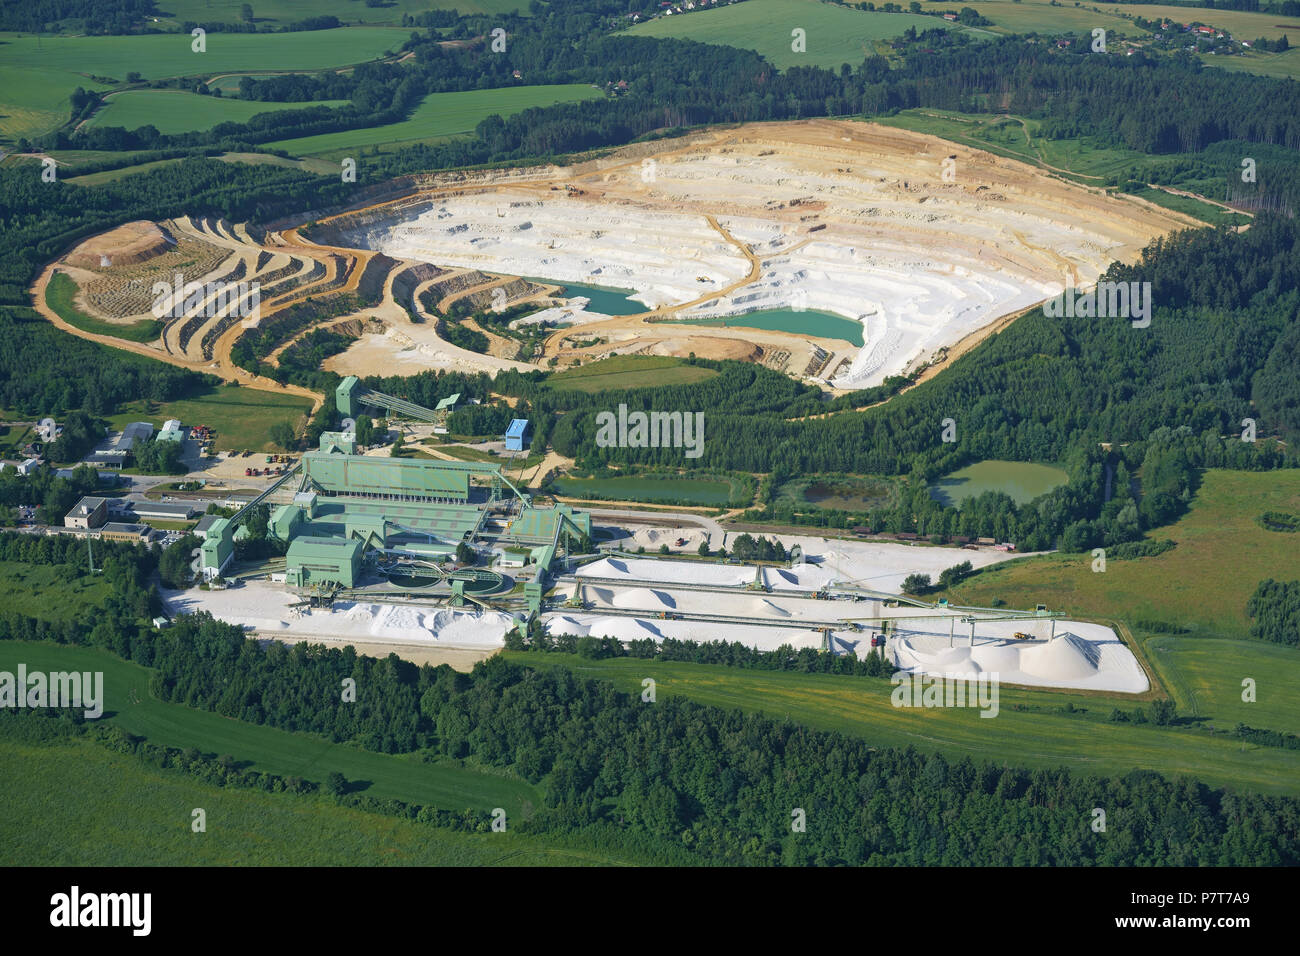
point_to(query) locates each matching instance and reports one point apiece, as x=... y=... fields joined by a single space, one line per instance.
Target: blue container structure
x=519 y=435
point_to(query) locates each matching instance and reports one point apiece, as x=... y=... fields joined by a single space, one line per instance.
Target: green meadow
x=74 y=803
x=129 y=704
x=439 y=116
x=833 y=34
x=348 y=11
x=240 y=417
x=1042 y=734
x=628 y=371
x=176 y=111
x=60 y=295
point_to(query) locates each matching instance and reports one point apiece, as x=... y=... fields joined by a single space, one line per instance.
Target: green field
x=1039 y=16
x=349 y=11
x=74 y=803
x=629 y=371
x=37 y=74
x=60 y=293
x=834 y=34
x=41 y=591
x=1039 y=736
x=1192 y=586
x=175 y=111
x=1240 y=24
x=1205 y=677
x=241 y=417
x=129 y=704
x=1277 y=65
x=439 y=116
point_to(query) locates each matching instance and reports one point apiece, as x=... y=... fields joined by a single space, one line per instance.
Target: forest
x=722 y=784
x=1275 y=611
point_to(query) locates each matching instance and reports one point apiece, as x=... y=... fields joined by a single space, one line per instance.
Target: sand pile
x=128 y=244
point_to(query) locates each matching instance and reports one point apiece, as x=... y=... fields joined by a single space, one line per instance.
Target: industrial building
x=171 y=431
x=161 y=511
x=323 y=561
x=519 y=435
x=134 y=432
x=86 y=514
x=118 y=531
x=348 y=517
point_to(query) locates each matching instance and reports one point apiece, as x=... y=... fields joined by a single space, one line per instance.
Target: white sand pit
x=264 y=608
x=667 y=572
x=1082 y=656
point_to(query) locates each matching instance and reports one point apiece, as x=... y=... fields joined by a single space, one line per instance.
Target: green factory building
x=323 y=561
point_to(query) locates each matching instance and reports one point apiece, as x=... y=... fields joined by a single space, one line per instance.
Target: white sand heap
x=1082 y=656
x=265 y=609
x=635 y=628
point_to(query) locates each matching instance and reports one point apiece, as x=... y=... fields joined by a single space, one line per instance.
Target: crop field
x=439 y=116
x=1205 y=676
x=240 y=417
x=59 y=296
x=38 y=74
x=175 y=111
x=1242 y=25
x=834 y=34
x=1039 y=16
x=1042 y=734
x=74 y=803
x=349 y=11
x=629 y=371
x=1278 y=65
x=129 y=704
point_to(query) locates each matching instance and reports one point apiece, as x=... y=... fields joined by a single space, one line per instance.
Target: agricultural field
x=348 y=11
x=1039 y=16
x=439 y=116
x=38 y=74
x=628 y=371
x=240 y=417
x=1277 y=65
x=1032 y=728
x=835 y=34
x=1242 y=25
x=74 y=803
x=59 y=296
x=175 y=111
x=1190 y=586
x=129 y=704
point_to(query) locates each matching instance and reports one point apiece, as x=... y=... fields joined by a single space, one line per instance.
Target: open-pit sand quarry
x=848 y=218
x=928 y=245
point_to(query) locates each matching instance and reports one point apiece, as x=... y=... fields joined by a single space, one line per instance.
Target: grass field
x=628 y=371
x=834 y=34
x=1205 y=677
x=690 y=491
x=241 y=417
x=60 y=294
x=439 y=116
x=175 y=111
x=13 y=438
x=1277 y=65
x=73 y=803
x=128 y=703
x=1242 y=25
x=349 y=11
x=38 y=74
x=1039 y=16
x=1084 y=741
x=40 y=591
x=112 y=175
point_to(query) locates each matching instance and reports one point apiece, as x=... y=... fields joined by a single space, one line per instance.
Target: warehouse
x=323 y=561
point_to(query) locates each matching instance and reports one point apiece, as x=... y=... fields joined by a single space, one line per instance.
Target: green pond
x=606 y=301
x=848 y=495
x=700 y=491
x=808 y=322
x=1023 y=481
